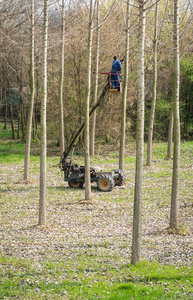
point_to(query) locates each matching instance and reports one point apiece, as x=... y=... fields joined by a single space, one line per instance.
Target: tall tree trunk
x=19 y=118
x=88 y=88
x=11 y=113
x=93 y=118
x=176 y=159
x=35 y=114
x=42 y=201
x=5 y=116
x=22 y=121
x=61 y=83
x=1 y=97
x=21 y=105
x=170 y=133
x=4 y=97
x=12 y=120
x=152 y=114
x=35 y=121
x=31 y=104
x=124 y=95
x=138 y=196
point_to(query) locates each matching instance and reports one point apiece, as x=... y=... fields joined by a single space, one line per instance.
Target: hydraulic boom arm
x=75 y=139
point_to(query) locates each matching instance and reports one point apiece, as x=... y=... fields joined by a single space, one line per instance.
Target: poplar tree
x=87 y=102
x=176 y=160
x=138 y=194
x=154 y=90
x=61 y=82
x=43 y=151
x=99 y=23
x=93 y=119
x=125 y=87
x=170 y=133
x=31 y=104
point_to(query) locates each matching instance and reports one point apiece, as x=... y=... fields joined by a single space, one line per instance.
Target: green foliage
x=5 y=133
x=13 y=150
x=162 y=116
x=186 y=67
x=163 y=107
x=161 y=119
x=186 y=97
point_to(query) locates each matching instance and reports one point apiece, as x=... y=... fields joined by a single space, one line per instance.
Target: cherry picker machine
x=74 y=174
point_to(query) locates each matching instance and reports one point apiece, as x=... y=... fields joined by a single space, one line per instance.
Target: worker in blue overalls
x=116 y=68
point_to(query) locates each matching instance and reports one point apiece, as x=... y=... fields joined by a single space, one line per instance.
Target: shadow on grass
x=67 y=188
x=17 y=189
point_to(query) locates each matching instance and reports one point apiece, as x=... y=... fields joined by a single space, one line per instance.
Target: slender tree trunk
x=42 y=201
x=22 y=121
x=19 y=118
x=176 y=160
x=1 y=97
x=93 y=118
x=4 y=96
x=87 y=142
x=12 y=120
x=21 y=105
x=152 y=114
x=124 y=95
x=170 y=133
x=5 y=116
x=35 y=121
x=35 y=115
x=11 y=114
x=61 y=83
x=31 y=104
x=138 y=196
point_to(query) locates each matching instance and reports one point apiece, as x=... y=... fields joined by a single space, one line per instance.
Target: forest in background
x=15 y=66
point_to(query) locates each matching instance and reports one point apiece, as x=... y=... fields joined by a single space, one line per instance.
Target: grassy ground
x=84 y=251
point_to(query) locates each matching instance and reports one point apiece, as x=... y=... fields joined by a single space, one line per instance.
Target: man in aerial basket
x=116 y=68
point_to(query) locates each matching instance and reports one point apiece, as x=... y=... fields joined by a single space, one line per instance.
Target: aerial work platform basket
x=114 y=90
